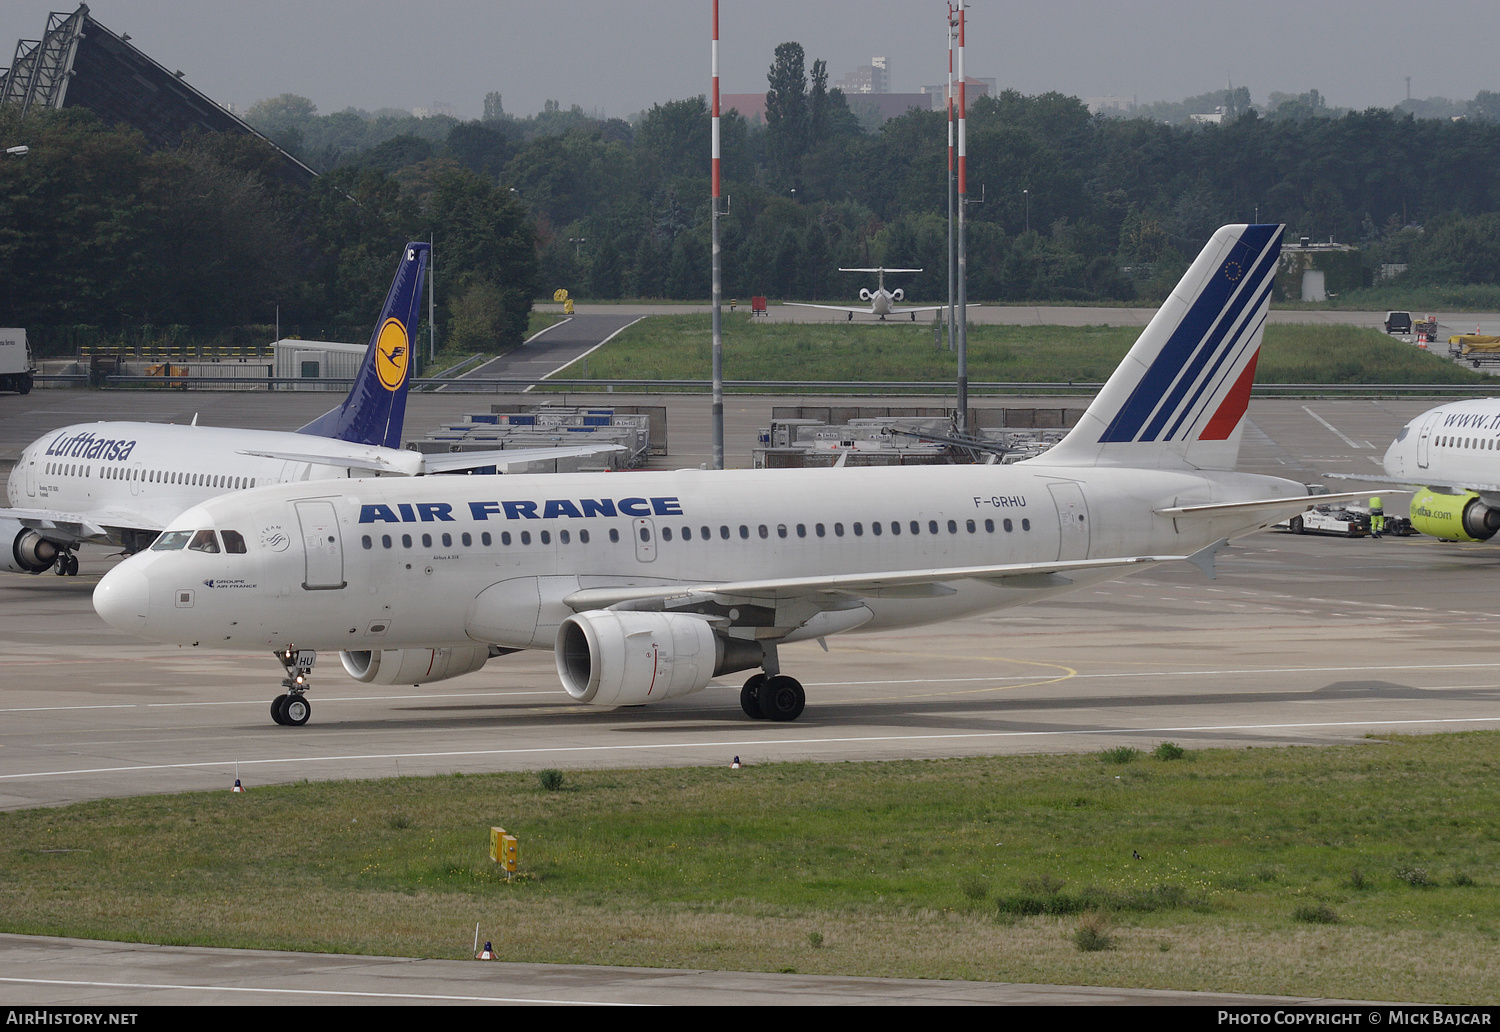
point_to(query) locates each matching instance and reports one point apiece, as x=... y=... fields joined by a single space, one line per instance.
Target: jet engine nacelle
x=1454 y=517
x=610 y=658
x=898 y=294
x=25 y=551
x=413 y=666
x=864 y=293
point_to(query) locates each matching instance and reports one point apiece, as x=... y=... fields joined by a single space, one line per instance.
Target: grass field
x=1363 y=872
x=679 y=347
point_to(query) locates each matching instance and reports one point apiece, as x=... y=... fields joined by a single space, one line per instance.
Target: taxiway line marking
x=746 y=743
x=807 y=684
x=1349 y=441
x=314 y=992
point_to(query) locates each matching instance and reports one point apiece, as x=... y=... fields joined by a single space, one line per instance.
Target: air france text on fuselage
x=87 y=446
x=548 y=509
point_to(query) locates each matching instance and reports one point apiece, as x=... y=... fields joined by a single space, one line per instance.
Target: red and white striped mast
x=718 y=338
x=948 y=188
x=963 y=261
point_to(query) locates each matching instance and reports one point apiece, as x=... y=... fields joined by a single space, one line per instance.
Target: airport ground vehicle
x=17 y=370
x=1397 y=322
x=1344 y=520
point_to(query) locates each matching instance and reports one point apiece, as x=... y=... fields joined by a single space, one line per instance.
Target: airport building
x=78 y=63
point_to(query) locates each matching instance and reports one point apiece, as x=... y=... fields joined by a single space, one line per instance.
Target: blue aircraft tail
x=375 y=409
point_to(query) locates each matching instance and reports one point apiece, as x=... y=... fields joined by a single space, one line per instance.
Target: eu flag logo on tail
x=392 y=354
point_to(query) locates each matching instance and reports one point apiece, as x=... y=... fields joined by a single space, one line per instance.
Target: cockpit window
x=172 y=540
x=234 y=542
x=204 y=541
x=1402 y=435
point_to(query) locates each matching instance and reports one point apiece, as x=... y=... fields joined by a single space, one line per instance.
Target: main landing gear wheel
x=750 y=696
x=66 y=565
x=296 y=711
x=780 y=698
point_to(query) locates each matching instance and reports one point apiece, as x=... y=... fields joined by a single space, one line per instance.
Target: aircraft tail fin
x=375 y=409
x=1178 y=400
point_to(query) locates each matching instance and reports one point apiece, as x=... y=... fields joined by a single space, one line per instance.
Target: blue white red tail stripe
x=1180 y=397
x=1202 y=338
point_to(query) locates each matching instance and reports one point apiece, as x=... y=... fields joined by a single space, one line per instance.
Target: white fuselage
x=1453 y=444
x=144 y=474
x=400 y=563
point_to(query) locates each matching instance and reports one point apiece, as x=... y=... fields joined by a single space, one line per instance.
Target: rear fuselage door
x=322 y=544
x=1072 y=520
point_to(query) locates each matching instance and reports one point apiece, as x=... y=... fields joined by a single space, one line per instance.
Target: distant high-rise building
x=874 y=77
x=1111 y=105
x=974 y=88
x=438 y=107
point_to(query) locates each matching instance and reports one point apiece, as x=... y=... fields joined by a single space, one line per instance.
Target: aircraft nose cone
x=122 y=598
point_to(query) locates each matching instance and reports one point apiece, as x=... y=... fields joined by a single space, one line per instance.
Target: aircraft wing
x=510 y=460
x=382 y=460
x=902 y=310
x=94 y=528
x=1415 y=483
x=828 y=308
x=838 y=587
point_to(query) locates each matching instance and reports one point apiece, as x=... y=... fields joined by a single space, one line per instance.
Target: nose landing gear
x=292 y=709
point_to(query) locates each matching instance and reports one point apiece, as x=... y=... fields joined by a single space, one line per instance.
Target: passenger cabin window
x=204 y=541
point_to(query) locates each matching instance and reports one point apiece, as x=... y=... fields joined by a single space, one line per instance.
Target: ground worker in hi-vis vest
x=1377 y=517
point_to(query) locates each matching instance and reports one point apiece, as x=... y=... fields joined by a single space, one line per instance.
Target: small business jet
x=121 y=483
x=1451 y=455
x=882 y=302
x=648 y=586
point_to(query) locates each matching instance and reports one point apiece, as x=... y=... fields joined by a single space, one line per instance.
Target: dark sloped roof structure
x=80 y=63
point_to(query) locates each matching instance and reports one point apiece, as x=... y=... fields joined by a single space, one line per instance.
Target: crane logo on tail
x=392 y=354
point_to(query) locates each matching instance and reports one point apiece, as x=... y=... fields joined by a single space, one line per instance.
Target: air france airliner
x=647 y=586
x=121 y=483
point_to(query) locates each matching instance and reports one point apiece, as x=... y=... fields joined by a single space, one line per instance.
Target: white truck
x=16 y=366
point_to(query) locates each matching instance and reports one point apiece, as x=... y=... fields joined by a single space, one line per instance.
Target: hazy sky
x=621 y=57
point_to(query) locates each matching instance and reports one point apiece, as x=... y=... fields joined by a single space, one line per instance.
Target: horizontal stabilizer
x=510 y=460
x=1290 y=506
x=378 y=460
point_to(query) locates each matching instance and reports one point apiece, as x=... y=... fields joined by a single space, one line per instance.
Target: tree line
x=97 y=229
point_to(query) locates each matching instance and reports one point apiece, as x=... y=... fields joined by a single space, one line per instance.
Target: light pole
x=577 y=243
x=1027 y=195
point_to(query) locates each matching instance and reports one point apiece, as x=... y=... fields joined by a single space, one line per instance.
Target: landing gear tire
x=296 y=711
x=278 y=708
x=781 y=698
x=72 y=565
x=750 y=697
